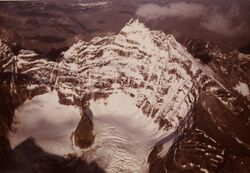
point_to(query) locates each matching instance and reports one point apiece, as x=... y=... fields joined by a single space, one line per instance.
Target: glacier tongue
x=124 y=135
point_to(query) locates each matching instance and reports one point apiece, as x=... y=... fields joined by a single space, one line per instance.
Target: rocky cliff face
x=212 y=145
x=190 y=117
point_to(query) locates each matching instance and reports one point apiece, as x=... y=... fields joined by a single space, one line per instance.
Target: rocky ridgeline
x=177 y=91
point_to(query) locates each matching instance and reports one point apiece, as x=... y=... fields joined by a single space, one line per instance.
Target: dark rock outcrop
x=28 y=157
x=83 y=134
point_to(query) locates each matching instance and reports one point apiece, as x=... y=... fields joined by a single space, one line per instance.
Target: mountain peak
x=136 y=32
x=138 y=88
x=134 y=25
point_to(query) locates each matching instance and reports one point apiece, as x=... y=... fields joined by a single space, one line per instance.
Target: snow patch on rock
x=242 y=88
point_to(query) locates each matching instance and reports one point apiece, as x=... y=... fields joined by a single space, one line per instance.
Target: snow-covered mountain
x=142 y=101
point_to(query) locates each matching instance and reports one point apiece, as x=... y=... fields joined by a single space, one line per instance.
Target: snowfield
x=48 y=122
x=124 y=135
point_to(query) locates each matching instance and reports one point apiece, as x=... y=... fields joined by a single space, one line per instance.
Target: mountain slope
x=143 y=98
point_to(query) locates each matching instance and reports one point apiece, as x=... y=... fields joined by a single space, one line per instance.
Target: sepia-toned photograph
x=125 y=86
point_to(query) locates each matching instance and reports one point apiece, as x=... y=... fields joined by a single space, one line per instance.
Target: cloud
x=222 y=25
x=180 y=9
x=226 y=23
x=211 y=17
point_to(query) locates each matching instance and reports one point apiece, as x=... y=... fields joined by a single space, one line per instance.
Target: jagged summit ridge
x=137 y=32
